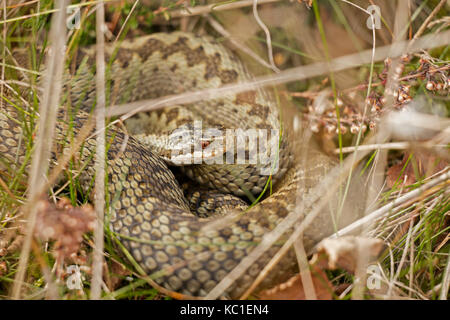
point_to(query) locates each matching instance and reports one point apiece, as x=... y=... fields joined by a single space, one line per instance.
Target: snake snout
x=191 y=144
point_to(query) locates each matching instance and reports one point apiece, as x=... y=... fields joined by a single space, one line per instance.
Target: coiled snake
x=148 y=210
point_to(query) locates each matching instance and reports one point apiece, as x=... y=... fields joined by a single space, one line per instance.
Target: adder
x=148 y=209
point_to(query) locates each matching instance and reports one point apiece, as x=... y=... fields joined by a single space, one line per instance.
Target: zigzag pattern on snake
x=148 y=209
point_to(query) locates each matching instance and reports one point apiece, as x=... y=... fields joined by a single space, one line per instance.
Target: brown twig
x=427 y=21
x=5 y=187
x=164 y=9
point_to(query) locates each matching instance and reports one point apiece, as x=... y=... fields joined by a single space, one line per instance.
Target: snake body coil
x=148 y=210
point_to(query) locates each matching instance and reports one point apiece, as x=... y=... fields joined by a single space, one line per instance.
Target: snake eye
x=205 y=144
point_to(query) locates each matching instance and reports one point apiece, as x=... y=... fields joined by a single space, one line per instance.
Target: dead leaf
x=293 y=288
x=343 y=252
x=308 y=3
x=65 y=224
x=422 y=164
x=3 y=268
x=118 y=272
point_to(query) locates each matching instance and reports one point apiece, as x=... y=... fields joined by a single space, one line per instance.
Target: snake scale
x=148 y=210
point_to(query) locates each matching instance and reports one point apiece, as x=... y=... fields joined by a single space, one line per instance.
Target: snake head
x=190 y=144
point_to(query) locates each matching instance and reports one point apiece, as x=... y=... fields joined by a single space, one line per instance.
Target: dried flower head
x=351 y=112
x=65 y=224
